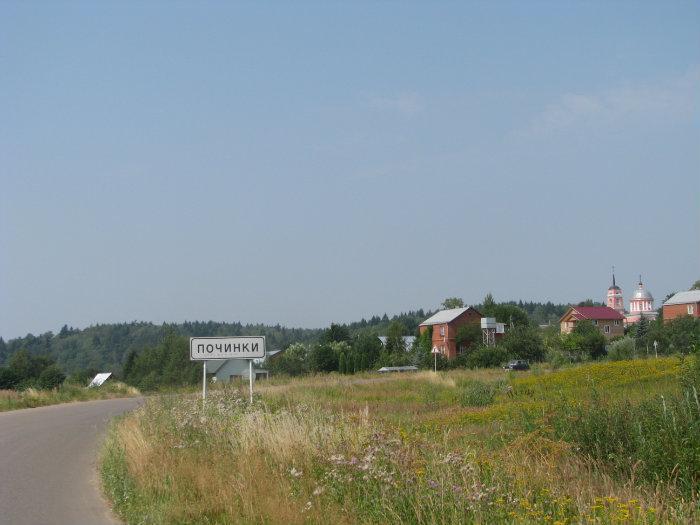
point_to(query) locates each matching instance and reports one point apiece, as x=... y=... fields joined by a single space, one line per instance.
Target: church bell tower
x=614 y=298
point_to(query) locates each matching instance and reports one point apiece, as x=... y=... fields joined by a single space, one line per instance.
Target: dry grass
x=389 y=449
x=31 y=397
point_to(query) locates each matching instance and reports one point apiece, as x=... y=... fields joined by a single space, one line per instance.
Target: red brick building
x=682 y=303
x=445 y=324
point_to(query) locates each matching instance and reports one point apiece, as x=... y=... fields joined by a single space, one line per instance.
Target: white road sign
x=203 y=348
x=99 y=379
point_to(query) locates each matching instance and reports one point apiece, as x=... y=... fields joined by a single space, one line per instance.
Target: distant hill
x=105 y=346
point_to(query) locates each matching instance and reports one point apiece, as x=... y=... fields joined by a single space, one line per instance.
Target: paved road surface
x=48 y=459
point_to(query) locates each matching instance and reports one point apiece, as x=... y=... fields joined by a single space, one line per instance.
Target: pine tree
x=642 y=329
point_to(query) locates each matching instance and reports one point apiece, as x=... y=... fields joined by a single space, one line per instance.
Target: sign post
x=250 y=379
x=204 y=380
x=225 y=348
x=435 y=353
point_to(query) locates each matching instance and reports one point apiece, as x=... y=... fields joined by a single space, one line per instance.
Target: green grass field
x=609 y=442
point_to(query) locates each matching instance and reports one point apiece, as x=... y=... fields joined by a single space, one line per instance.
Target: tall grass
x=656 y=441
x=66 y=393
x=401 y=449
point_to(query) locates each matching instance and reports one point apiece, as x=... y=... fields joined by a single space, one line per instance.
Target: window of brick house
x=606 y=329
x=442 y=330
x=691 y=309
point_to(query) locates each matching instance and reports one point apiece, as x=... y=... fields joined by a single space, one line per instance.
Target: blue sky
x=304 y=163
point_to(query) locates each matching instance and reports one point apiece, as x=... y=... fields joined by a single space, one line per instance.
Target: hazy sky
x=302 y=163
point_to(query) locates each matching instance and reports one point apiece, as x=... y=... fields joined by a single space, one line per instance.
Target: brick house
x=682 y=303
x=609 y=321
x=445 y=325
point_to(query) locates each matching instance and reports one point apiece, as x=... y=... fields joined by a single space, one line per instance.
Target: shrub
x=8 y=379
x=487 y=357
x=557 y=358
x=473 y=393
x=622 y=349
x=51 y=377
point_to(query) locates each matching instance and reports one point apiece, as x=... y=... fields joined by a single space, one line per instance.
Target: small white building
x=226 y=370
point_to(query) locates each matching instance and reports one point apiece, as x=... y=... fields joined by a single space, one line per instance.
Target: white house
x=225 y=370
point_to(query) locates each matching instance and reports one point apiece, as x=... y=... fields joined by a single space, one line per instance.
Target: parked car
x=518 y=364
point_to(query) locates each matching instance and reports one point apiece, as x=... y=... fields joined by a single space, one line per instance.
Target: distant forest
x=106 y=346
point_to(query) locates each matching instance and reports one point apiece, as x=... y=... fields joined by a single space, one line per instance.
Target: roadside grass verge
x=410 y=449
x=66 y=393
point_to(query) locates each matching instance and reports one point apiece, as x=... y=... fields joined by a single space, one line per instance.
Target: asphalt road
x=48 y=463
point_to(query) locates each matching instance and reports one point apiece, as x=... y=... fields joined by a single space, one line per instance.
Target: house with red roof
x=608 y=320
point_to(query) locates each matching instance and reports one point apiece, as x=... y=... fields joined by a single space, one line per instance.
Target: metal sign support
x=204 y=381
x=250 y=378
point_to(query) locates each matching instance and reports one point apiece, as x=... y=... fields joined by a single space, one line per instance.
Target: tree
x=468 y=336
x=364 y=363
x=336 y=333
x=683 y=334
x=394 y=338
x=9 y=380
x=322 y=358
x=293 y=361
x=51 y=377
x=589 y=302
x=696 y=285
x=21 y=364
x=640 y=335
x=452 y=302
x=368 y=346
x=342 y=366
x=524 y=342
x=588 y=339
x=3 y=350
x=509 y=314
x=129 y=364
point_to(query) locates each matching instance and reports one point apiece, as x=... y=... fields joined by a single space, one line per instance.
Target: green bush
x=51 y=377
x=557 y=358
x=473 y=393
x=9 y=379
x=622 y=349
x=487 y=357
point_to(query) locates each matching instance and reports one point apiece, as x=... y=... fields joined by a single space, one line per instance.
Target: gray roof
x=693 y=296
x=445 y=316
x=407 y=340
x=385 y=369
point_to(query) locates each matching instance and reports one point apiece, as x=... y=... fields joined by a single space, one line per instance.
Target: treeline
x=166 y=364
x=380 y=325
x=26 y=371
x=105 y=347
